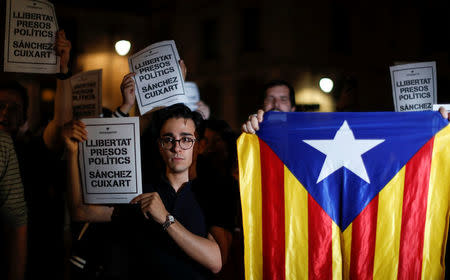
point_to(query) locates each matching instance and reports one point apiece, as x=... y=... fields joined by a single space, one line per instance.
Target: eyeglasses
x=185 y=142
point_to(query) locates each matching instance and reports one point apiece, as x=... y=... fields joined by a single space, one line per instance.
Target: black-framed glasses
x=185 y=142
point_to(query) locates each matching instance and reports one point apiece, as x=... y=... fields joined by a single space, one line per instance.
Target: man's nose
x=176 y=146
x=276 y=103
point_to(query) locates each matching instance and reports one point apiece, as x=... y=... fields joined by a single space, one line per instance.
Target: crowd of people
x=185 y=225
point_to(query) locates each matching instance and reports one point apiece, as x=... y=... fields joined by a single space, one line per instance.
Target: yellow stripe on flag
x=436 y=225
x=389 y=221
x=250 y=189
x=337 y=252
x=346 y=245
x=296 y=227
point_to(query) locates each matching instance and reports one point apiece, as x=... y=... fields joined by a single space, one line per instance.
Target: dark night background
x=232 y=47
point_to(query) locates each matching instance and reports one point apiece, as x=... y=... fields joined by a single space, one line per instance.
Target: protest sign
x=87 y=94
x=192 y=95
x=414 y=86
x=30 y=33
x=159 y=81
x=109 y=160
x=437 y=106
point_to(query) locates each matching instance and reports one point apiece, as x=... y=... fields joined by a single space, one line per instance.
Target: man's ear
x=293 y=108
x=160 y=149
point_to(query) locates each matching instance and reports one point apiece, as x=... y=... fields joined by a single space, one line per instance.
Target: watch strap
x=169 y=220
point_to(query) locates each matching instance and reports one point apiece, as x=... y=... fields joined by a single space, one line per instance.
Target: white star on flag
x=344 y=151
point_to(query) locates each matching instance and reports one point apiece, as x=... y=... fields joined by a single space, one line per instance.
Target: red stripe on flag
x=272 y=189
x=364 y=229
x=415 y=196
x=320 y=254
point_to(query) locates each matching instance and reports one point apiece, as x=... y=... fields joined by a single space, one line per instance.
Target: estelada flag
x=346 y=196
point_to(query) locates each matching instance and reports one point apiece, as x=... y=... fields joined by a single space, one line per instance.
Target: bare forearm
x=78 y=209
x=224 y=239
x=205 y=251
x=62 y=114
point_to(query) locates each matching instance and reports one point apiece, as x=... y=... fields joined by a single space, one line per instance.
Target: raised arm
x=127 y=88
x=205 y=251
x=73 y=133
x=63 y=98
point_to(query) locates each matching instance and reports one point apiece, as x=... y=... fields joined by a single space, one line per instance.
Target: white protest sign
x=87 y=94
x=414 y=86
x=437 y=106
x=30 y=33
x=192 y=94
x=110 y=160
x=159 y=81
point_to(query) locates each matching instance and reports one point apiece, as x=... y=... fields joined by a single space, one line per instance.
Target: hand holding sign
x=127 y=87
x=73 y=133
x=152 y=204
x=110 y=160
x=63 y=47
x=30 y=31
x=159 y=76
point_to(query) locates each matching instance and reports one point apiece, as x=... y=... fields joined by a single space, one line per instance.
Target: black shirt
x=146 y=249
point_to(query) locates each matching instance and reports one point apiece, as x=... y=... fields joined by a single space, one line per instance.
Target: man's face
x=277 y=99
x=177 y=160
x=11 y=111
x=213 y=144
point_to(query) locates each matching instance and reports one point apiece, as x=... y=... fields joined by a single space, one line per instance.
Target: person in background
x=38 y=169
x=279 y=96
x=13 y=213
x=217 y=190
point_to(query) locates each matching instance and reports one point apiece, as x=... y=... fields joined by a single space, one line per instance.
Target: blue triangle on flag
x=345 y=192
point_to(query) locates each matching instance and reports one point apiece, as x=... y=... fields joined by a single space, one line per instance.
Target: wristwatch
x=169 y=220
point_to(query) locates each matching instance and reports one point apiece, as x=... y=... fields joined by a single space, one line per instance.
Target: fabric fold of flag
x=346 y=196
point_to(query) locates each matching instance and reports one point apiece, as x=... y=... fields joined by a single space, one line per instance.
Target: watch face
x=171 y=218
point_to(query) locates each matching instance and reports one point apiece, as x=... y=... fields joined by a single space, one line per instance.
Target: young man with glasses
x=162 y=233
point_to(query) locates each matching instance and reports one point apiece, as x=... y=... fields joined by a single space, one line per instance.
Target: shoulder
x=5 y=139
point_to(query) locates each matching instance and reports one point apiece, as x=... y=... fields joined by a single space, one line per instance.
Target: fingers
x=128 y=84
x=254 y=123
x=260 y=115
x=248 y=128
x=61 y=37
x=62 y=45
x=128 y=81
x=443 y=112
x=138 y=198
x=79 y=134
x=61 y=33
x=128 y=76
x=151 y=206
x=76 y=130
x=183 y=68
x=244 y=128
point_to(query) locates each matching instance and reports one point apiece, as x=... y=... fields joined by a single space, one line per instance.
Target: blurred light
x=312 y=95
x=326 y=85
x=123 y=47
x=48 y=95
